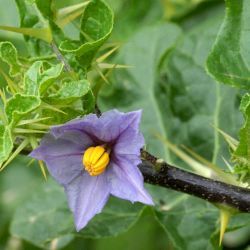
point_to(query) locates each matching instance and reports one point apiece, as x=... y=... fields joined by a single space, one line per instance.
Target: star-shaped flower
x=94 y=158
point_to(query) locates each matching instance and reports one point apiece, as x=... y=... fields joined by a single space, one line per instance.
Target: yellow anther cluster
x=95 y=160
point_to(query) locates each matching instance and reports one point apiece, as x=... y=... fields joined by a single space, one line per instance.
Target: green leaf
x=229 y=59
x=188 y=221
x=19 y=106
x=8 y=54
x=242 y=153
x=16 y=186
x=117 y=217
x=239 y=221
x=96 y=27
x=37 y=79
x=69 y=92
x=180 y=102
x=134 y=88
x=31 y=18
x=88 y=103
x=6 y=143
x=136 y=14
x=49 y=76
x=56 y=117
x=194 y=101
x=31 y=84
x=27 y=13
x=171 y=90
x=45 y=7
x=45 y=218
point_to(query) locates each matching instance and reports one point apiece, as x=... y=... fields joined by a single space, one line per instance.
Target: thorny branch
x=165 y=175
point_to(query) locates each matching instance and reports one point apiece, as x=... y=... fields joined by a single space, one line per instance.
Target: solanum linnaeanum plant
x=93 y=158
x=61 y=76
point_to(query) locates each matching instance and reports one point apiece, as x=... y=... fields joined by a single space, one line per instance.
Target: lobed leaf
x=229 y=59
x=19 y=106
x=37 y=80
x=8 y=54
x=69 y=92
x=96 y=27
x=31 y=84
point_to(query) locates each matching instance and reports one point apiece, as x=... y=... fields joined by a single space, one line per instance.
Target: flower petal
x=129 y=143
x=87 y=196
x=78 y=138
x=62 y=157
x=106 y=128
x=126 y=182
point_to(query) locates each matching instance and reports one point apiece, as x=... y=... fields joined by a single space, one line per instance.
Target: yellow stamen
x=95 y=160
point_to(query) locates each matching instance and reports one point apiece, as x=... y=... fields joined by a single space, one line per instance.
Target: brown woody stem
x=163 y=174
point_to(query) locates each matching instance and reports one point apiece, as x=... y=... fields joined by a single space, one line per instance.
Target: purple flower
x=94 y=158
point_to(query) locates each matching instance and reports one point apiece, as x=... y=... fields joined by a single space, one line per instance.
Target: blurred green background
x=19 y=180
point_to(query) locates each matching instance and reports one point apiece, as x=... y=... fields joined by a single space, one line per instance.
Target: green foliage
x=193 y=100
x=46 y=8
x=163 y=72
x=229 y=58
x=228 y=63
x=19 y=106
x=6 y=143
x=69 y=92
x=60 y=116
x=243 y=150
x=43 y=94
x=162 y=38
x=173 y=102
x=39 y=97
x=188 y=221
x=8 y=54
x=88 y=103
x=16 y=186
x=37 y=80
x=173 y=89
x=132 y=15
x=96 y=26
x=242 y=153
x=178 y=8
x=31 y=18
x=45 y=218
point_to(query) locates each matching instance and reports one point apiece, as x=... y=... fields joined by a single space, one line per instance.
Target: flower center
x=95 y=160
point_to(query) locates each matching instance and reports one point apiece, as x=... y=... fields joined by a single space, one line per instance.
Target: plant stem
x=60 y=57
x=160 y=173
